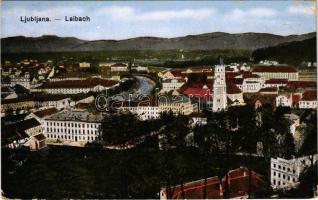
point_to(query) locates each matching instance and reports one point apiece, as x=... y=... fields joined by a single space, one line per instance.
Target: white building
x=119 y=67
x=176 y=104
x=294 y=122
x=24 y=80
x=171 y=84
x=50 y=100
x=73 y=126
x=276 y=72
x=197 y=118
x=219 y=89
x=285 y=173
x=276 y=83
x=76 y=86
x=84 y=65
x=141 y=109
x=308 y=100
x=284 y=100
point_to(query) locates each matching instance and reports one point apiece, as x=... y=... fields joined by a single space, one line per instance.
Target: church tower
x=219 y=88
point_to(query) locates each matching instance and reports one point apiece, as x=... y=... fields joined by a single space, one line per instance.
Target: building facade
x=285 y=173
x=219 y=89
x=276 y=72
x=73 y=126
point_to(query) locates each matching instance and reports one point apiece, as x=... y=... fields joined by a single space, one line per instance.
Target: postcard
x=159 y=99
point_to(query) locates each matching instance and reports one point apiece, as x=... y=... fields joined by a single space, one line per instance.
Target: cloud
x=51 y=12
x=239 y=14
x=130 y=14
x=301 y=10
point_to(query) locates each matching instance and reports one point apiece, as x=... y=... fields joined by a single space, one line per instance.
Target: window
x=274 y=173
x=278 y=175
x=284 y=168
x=274 y=181
x=279 y=167
x=278 y=182
x=274 y=165
x=283 y=176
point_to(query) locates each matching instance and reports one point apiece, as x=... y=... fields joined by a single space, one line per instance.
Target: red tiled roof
x=238 y=184
x=274 y=69
x=231 y=88
x=119 y=65
x=247 y=74
x=230 y=75
x=195 y=189
x=197 y=92
x=296 y=98
x=276 y=81
x=302 y=84
x=309 y=95
x=176 y=73
x=88 y=83
x=264 y=99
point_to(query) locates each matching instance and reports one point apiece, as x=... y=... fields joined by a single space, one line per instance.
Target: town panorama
x=207 y=116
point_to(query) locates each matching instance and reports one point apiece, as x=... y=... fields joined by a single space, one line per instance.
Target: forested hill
x=207 y=41
x=291 y=52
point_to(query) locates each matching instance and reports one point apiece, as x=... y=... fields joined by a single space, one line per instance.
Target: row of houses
x=263 y=79
x=76 y=86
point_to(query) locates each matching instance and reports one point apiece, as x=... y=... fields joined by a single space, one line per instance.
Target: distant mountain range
x=208 y=41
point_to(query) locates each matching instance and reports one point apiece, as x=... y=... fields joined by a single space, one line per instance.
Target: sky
x=128 y=19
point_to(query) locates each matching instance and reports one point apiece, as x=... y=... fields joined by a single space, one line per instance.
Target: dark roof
x=27 y=124
x=88 y=83
x=197 y=114
x=264 y=99
x=39 y=137
x=16 y=100
x=12 y=133
x=17 y=130
x=246 y=74
x=6 y=89
x=49 y=97
x=269 y=89
x=231 y=88
x=176 y=73
x=302 y=84
x=274 y=69
x=238 y=81
x=46 y=112
x=276 y=81
x=309 y=95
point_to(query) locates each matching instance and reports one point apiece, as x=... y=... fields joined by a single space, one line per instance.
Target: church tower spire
x=219 y=88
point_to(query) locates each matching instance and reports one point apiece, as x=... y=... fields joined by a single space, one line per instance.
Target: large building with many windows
x=76 y=86
x=285 y=173
x=276 y=72
x=73 y=126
